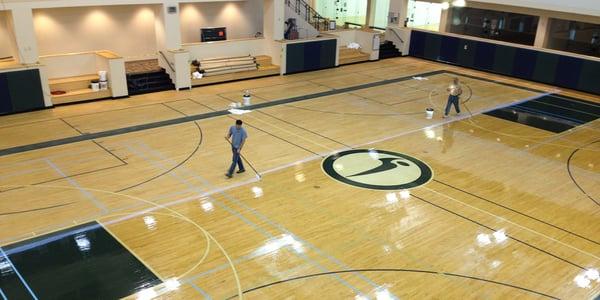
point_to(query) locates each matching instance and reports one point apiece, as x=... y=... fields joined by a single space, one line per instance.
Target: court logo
x=377 y=169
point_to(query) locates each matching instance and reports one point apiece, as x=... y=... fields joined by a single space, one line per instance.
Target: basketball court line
x=308 y=159
x=251 y=223
x=3 y=295
x=18 y=274
x=503 y=219
x=164 y=123
x=73 y=127
x=515 y=224
x=74 y=183
x=393 y=270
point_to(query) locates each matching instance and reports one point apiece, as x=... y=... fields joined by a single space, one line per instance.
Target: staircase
x=388 y=50
x=306 y=15
x=149 y=82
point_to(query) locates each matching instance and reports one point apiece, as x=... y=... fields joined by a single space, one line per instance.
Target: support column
x=278 y=19
x=444 y=19
x=167 y=26
x=398 y=10
x=371 y=8
x=22 y=21
x=541 y=36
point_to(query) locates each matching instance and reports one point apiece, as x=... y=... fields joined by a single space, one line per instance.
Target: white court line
x=511 y=222
x=19 y=275
x=3 y=295
x=74 y=183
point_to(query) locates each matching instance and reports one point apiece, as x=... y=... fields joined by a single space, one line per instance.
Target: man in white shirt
x=454 y=91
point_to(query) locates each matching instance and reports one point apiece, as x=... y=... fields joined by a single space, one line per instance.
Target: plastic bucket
x=102 y=75
x=429 y=113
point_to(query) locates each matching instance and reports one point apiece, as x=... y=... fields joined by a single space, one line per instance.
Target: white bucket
x=95 y=86
x=247 y=100
x=429 y=113
x=102 y=75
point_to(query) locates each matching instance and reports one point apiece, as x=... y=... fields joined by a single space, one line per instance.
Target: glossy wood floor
x=509 y=214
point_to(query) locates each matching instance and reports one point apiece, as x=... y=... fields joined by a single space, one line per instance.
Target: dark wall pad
x=568 y=72
x=328 y=52
x=466 y=53
x=417 y=43
x=449 y=51
x=484 y=56
x=504 y=59
x=310 y=56
x=295 y=58
x=25 y=90
x=590 y=77
x=560 y=70
x=525 y=63
x=5 y=102
x=434 y=43
x=545 y=68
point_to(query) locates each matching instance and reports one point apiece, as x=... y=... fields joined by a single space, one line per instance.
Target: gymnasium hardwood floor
x=512 y=210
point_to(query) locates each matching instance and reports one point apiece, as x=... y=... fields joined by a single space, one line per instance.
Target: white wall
x=126 y=30
x=6 y=41
x=242 y=19
x=252 y=47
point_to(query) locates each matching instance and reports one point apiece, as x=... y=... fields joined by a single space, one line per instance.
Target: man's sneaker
x=241 y=171
x=228 y=175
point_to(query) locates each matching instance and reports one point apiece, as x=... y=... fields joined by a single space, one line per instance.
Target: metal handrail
x=168 y=62
x=379 y=28
x=397 y=35
x=310 y=15
x=354 y=24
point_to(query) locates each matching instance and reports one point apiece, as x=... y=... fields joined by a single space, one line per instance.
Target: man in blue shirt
x=238 y=137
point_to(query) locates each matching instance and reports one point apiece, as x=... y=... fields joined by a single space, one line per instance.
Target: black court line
x=174 y=167
x=69 y=124
x=303 y=128
x=397 y=270
x=516 y=211
x=280 y=138
x=109 y=152
x=494 y=230
x=573 y=178
x=34 y=210
x=176 y=121
x=354 y=114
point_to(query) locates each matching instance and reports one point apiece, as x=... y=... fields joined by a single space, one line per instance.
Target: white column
x=278 y=19
x=371 y=8
x=167 y=25
x=399 y=9
x=541 y=35
x=22 y=21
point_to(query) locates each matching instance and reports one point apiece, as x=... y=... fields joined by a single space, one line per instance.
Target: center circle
x=377 y=169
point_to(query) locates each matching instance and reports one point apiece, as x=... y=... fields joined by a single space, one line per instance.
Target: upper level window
x=572 y=36
x=424 y=15
x=497 y=25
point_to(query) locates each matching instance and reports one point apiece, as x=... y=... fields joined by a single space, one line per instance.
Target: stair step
x=150 y=82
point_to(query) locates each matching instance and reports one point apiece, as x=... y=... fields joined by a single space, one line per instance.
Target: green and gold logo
x=377 y=169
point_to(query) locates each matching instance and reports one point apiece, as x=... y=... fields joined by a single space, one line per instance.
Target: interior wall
x=243 y=19
x=6 y=41
x=125 y=29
